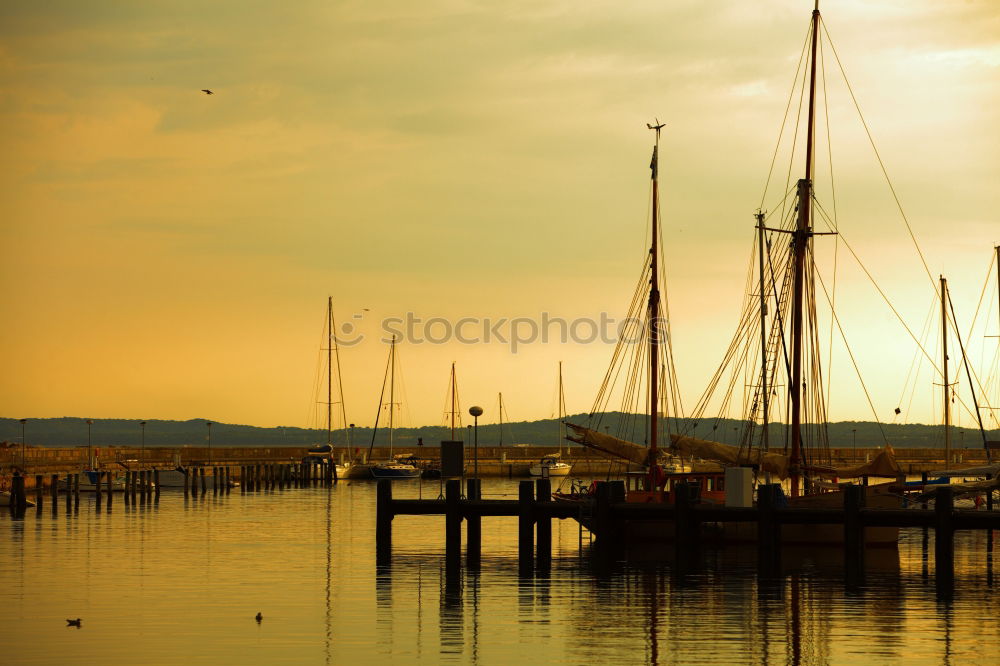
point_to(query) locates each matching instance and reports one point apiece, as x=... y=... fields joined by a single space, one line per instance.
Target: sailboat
x=324 y=452
x=391 y=468
x=552 y=465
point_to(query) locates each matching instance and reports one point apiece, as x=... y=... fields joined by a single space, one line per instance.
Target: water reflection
x=305 y=558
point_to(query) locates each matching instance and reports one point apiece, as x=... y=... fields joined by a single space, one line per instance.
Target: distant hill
x=72 y=431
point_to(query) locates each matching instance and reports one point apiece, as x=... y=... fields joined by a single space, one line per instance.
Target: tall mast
x=501 y=418
x=392 y=389
x=561 y=409
x=654 y=302
x=763 y=332
x=453 y=410
x=944 y=360
x=802 y=236
x=340 y=378
x=329 y=370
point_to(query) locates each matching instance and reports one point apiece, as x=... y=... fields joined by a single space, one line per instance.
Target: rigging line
x=784 y=120
x=798 y=121
x=885 y=173
x=378 y=412
x=836 y=222
x=915 y=363
x=854 y=363
x=881 y=292
x=968 y=372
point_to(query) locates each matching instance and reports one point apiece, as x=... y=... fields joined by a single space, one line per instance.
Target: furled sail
x=884 y=464
x=620 y=448
x=775 y=463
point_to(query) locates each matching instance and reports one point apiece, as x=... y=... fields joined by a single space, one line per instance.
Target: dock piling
x=473 y=526
x=854 y=535
x=525 y=528
x=768 y=529
x=383 y=522
x=543 y=526
x=944 y=542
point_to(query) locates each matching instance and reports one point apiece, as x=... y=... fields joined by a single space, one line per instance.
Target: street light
x=208 y=424
x=142 y=445
x=476 y=413
x=23 y=421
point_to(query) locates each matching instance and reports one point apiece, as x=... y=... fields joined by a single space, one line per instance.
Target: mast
x=944 y=358
x=453 y=409
x=763 y=331
x=392 y=389
x=340 y=378
x=501 y=418
x=654 y=303
x=329 y=371
x=561 y=408
x=802 y=236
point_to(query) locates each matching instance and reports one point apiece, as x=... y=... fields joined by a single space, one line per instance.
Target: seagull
x=258 y=617
x=74 y=623
x=207 y=91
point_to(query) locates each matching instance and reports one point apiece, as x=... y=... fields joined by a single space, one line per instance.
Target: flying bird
x=207 y=91
x=258 y=617
x=74 y=623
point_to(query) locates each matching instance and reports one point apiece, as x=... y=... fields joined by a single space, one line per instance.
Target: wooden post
x=473 y=526
x=686 y=526
x=602 y=520
x=18 y=498
x=69 y=490
x=525 y=528
x=111 y=481
x=923 y=480
x=944 y=542
x=989 y=496
x=854 y=535
x=133 y=487
x=383 y=521
x=97 y=495
x=452 y=525
x=227 y=485
x=543 y=526
x=76 y=491
x=128 y=480
x=768 y=529
x=187 y=481
x=204 y=485
x=40 y=491
x=215 y=480
x=156 y=485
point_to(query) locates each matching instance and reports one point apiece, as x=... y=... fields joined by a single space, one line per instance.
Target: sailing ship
x=398 y=467
x=787 y=290
x=552 y=465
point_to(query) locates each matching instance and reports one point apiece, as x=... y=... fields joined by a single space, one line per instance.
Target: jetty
x=608 y=513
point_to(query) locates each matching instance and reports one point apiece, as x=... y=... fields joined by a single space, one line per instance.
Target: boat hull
x=395 y=472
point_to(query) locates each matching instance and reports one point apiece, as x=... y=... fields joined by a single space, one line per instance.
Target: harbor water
x=180 y=581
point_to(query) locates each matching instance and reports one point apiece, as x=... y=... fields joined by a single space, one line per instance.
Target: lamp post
x=208 y=424
x=142 y=445
x=90 y=448
x=476 y=413
x=23 y=421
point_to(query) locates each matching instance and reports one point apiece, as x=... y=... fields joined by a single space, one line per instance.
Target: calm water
x=179 y=583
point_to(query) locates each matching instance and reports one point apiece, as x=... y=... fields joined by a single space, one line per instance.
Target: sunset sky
x=168 y=254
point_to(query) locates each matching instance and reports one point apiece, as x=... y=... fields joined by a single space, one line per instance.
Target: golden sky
x=168 y=254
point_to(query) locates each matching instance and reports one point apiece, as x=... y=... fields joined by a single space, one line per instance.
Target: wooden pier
x=608 y=513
